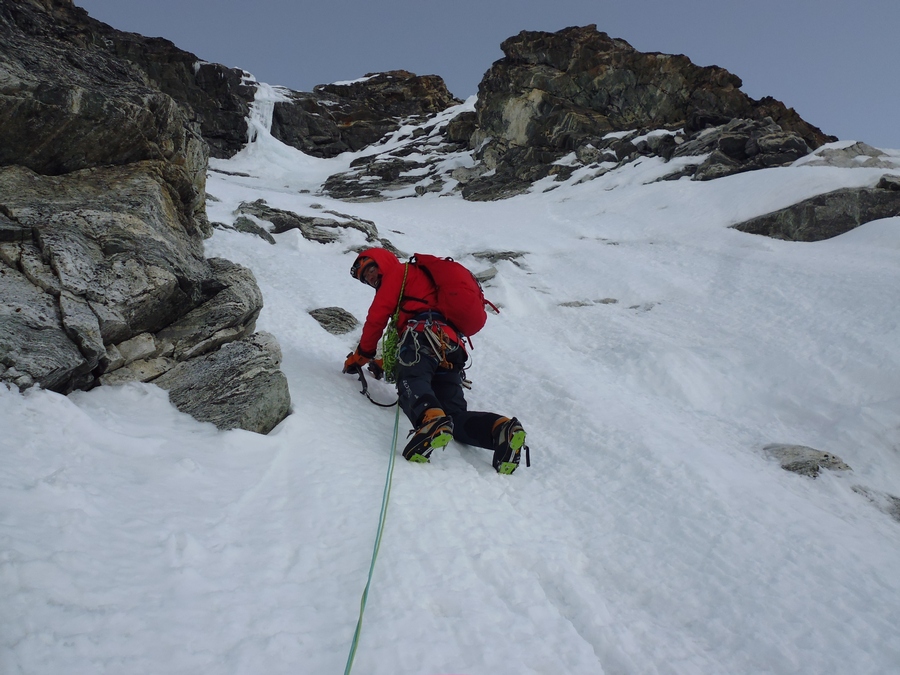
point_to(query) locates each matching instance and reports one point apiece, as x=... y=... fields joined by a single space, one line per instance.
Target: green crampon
x=515 y=444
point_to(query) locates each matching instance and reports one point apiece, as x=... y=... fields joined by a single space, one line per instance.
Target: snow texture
x=651 y=353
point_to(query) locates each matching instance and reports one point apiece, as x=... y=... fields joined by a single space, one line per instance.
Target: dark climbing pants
x=423 y=384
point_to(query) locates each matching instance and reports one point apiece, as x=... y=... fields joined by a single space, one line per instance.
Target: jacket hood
x=385 y=260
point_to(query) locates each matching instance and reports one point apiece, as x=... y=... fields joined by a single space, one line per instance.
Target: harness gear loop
x=439 y=342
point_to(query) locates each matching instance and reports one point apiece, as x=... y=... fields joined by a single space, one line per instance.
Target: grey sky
x=837 y=62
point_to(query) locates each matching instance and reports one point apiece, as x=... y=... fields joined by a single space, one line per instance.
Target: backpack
x=459 y=295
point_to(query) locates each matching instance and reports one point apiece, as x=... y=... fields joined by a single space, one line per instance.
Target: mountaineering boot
x=509 y=439
x=435 y=431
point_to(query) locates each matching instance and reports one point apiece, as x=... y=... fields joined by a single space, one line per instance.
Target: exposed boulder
x=804 y=460
x=344 y=116
x=250 y=226
x=314 y=228
x=852 y=156
x=830 y=214
x=336 y=320
x=240 y=385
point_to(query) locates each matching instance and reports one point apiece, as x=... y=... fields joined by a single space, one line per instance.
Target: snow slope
x=652 y=535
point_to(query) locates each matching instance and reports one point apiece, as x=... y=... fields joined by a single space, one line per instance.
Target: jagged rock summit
x=580 y=90
x=555 y=90
x=348 y=116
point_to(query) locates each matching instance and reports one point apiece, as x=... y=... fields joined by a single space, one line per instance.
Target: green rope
x=381 y=518
x=391 y=341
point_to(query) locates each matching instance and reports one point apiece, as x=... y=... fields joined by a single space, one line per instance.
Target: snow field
x=651 y=534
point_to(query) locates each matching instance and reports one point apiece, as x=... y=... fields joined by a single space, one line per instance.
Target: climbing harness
x=430 y=331
x=381 y=518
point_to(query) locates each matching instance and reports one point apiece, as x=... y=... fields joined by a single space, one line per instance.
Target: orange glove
x=354 y=362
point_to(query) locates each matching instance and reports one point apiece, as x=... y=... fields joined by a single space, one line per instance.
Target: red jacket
x=419 y=295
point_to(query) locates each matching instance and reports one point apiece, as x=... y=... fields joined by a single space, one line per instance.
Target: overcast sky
x=836 y=62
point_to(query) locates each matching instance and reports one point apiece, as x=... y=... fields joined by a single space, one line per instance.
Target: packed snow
x=651 y=353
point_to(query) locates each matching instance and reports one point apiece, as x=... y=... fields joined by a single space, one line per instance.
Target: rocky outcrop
x=314 y=228
x=417 y=162
x=102 y=218
x=105 y=280
x=579 y=89
x=122 y=81
x=66 y=105
x=555 y=90
x=338 y=117
x=830 y=214
x=741 y=145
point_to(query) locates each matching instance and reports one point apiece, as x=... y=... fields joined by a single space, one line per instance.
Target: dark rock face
x=307 y=124
x=555 y=93
x=339 y=117
x=68 y=106
x=220 y=97
x=122 y=81
x=830 y=214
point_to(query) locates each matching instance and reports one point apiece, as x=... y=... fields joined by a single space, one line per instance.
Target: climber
x=430 y=360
